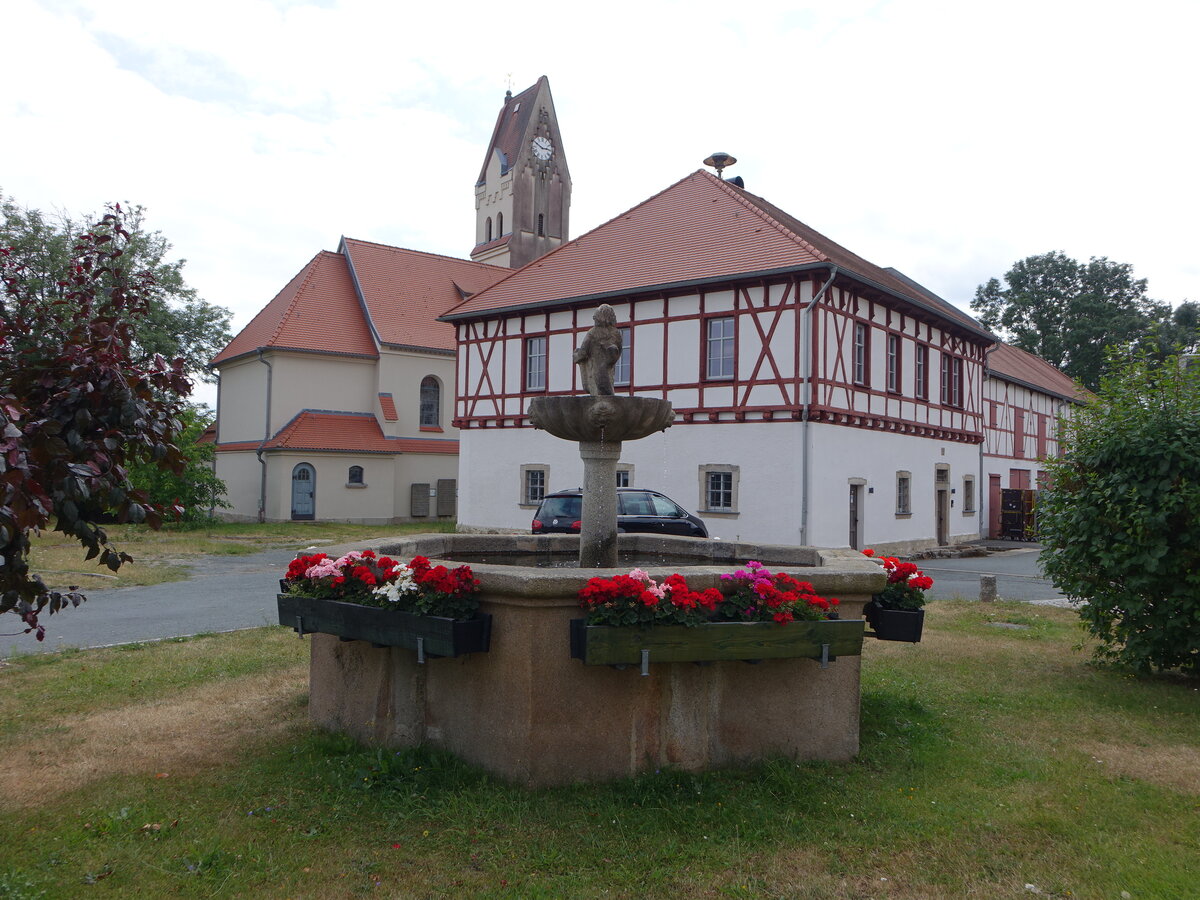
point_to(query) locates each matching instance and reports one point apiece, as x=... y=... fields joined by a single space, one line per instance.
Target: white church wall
x=311 y=381
x=242 y=400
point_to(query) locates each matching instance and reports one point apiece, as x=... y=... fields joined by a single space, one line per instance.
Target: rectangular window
x=951 y=380
x=893 y=363
x=968 y=494
x=719 y=492
x=861 y=349
x=1041 y=436
x=621 y=371
x=903 y=494
x=1019 y=434
x=533 y=485
x=622 y=478
x=719 y=348
x=535 y=364
x=994 y=413
x=921 y=371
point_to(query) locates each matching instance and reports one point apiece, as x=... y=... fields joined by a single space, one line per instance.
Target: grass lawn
x=161 y=556
x=996 y=762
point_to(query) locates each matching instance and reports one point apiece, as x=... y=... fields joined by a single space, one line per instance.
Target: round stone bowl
x=601 y=419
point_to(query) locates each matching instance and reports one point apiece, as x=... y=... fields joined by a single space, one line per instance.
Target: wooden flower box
x=611 y=645
x=430 y=636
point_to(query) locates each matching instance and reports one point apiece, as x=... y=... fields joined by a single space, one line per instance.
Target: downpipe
x=262 y=487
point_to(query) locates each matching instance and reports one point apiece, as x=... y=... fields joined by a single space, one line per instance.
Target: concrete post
x=598 y=527
x=987 y=588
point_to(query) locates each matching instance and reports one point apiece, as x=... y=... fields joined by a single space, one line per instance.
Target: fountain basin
x=531 y=714
x=609 y=419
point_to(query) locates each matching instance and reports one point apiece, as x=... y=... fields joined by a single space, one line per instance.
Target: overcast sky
x=947 y=139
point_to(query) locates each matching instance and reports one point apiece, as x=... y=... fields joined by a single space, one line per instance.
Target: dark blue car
x=638 y=512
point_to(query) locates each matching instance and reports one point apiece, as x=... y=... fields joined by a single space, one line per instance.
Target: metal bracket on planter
x=645 y=662
x=300 y=627
x=824 y=656
x=420 y=651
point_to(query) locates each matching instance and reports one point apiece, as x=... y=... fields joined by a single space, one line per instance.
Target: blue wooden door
x=304 y=488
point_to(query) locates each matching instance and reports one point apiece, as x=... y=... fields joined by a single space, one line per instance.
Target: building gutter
x=806 y=368
x=262 y=487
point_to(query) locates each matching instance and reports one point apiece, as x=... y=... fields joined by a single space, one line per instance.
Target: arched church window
x=499 y=224
x=541 y=225
x=431 y=395
x=488 y=230
x=355 y=475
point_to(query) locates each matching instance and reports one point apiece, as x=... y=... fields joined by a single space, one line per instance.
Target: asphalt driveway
x=230 y=593
x=1018 y=576
x=224 y=593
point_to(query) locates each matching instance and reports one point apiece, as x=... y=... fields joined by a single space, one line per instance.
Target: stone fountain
x=529 y=712
x=599 y=422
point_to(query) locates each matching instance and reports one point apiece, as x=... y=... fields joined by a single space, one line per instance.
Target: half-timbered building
x=1024 y=400
x=819 y=399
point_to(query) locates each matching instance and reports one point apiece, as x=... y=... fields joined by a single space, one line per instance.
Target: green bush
x=1121 y=521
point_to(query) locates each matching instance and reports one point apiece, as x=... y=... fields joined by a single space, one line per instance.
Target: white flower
x=401 y=583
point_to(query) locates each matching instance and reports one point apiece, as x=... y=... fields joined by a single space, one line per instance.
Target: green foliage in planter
x=1121 y=523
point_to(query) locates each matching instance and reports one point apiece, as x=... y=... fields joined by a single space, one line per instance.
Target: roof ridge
x=446 y=256
x=569 y=243
x=741 y=196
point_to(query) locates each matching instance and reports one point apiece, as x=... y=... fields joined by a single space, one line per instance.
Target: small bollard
x=987 y=588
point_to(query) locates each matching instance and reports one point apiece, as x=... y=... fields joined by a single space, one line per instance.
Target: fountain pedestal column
x=598 y=526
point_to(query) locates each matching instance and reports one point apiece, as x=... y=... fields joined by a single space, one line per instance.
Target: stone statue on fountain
x=599 y=421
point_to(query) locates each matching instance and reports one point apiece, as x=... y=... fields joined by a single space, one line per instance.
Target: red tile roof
x=318 y=310
x=405 y=290
x=510 y=127
x=388 y=405
x=698 y=228
x=1014 y=364
x=342 y=432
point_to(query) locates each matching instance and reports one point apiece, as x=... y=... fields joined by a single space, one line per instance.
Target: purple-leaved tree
x=76 y=411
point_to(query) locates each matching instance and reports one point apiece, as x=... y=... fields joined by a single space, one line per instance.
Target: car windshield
x=561 y=508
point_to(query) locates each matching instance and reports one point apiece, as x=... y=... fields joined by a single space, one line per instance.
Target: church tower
x=523 y=195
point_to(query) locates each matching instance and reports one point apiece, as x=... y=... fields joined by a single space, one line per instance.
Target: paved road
x=1018 y=577
x=230 y=593
x=224 y=594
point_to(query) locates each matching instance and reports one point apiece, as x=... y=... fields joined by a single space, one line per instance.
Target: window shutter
x=447 y=497
x=419 y=502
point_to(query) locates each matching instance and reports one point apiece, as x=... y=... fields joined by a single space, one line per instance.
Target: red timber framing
x=838 y=400
x=767 y=384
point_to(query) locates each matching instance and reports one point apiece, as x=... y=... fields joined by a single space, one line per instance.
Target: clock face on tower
x=542 y=147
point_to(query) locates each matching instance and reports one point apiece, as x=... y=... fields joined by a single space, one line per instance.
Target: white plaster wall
x=242 y=401
x=334 y=500
x=242 y=476
x=494 y=197
x=401 y=374
x=842 y=453
x=315 y=381
x=768 y=458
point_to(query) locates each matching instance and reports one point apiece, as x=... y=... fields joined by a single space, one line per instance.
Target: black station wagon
x=638 y=512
